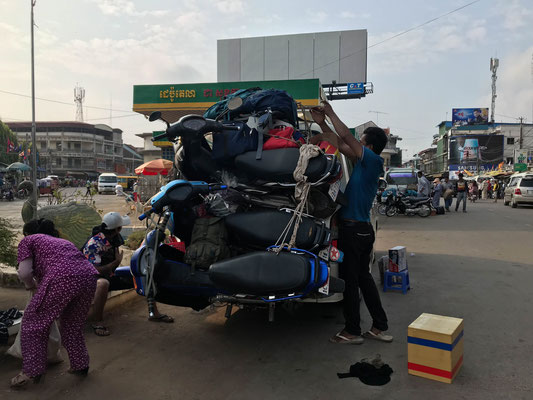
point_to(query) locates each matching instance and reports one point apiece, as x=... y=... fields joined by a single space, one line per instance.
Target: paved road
x=476 y=266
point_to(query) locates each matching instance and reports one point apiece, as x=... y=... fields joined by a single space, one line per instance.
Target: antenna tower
x=494 y=63
x=79 y=96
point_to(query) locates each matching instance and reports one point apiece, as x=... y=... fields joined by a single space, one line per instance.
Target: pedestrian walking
x=448 y=190
x=88 y=185
x=484 y=189
x=437 y=192
x=461 y=188
x=64 y=283
x=356 y=234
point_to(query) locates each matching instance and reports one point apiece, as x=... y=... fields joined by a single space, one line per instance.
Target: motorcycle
x=259 y=273
x=7 y=194
x=408 y=205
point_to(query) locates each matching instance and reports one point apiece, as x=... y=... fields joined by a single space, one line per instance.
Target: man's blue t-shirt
x=363 y=186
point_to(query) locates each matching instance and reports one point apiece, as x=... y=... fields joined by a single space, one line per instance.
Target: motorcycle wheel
x=382 y=208
x=425 y=211
x=391 y=211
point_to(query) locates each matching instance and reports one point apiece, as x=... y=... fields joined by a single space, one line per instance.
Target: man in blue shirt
x=356 y=234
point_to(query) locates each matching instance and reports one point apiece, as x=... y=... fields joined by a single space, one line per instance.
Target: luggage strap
x=301 y=192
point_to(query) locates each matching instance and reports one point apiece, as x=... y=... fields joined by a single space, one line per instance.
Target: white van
x=107 y=183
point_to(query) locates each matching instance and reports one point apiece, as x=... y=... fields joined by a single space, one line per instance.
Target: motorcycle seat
x=262 y=273
x=416 y=199
x=278 y=165
x=260 y=229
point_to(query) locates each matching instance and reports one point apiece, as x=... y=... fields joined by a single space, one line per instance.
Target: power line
x=59 y=102
x=120 y=116
x=394 y=36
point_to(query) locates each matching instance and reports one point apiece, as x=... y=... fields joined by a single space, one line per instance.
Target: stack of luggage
x=229 y=233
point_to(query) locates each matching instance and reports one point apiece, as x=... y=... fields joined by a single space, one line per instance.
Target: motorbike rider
x=102 y=250
x=356 y=234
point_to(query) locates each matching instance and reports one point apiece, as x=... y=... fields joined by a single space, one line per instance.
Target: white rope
x=301 y=192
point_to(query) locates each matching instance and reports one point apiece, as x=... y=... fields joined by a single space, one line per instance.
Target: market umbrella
x=18 y=166
x=154 y=167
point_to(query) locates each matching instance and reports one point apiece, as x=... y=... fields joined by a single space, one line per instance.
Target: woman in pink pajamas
x=64 y=283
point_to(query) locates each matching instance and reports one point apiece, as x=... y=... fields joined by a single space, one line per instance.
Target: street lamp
x=35 y=193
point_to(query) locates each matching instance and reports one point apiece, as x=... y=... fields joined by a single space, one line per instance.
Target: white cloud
x=422 y=46
x=233 y=7
x=125 y=7
x=516 y=15
x=352 y=15
x=316 y=17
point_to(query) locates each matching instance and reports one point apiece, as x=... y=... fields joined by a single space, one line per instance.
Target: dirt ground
x=475 y=266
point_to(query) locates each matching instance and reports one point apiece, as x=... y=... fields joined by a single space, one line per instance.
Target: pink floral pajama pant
x=67 y=298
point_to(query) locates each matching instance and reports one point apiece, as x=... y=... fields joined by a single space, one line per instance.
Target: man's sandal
x=378 y=336
x=161 y=318
x=340 y=339
x=100 y=330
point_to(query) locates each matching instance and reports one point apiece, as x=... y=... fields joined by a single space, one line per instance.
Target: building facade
x=74 y=148
x=391 y=154
x=513 y=136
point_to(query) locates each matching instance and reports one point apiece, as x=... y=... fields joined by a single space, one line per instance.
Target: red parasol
x=154 y=167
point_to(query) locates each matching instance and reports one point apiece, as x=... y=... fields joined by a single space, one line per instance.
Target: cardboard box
x=435 y=347
x=397 y=259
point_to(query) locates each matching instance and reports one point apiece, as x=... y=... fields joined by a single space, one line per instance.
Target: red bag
x=327 y=147
x=282 y=138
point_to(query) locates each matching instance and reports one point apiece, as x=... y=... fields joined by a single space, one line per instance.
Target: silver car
x=519 y=190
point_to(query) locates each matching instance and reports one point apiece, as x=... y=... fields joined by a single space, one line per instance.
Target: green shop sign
x=204 y=95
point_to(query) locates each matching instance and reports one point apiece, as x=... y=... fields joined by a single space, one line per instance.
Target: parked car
x=519 y=190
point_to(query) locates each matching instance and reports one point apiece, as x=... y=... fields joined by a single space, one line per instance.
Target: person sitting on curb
x=102 y=250
x=356 y=234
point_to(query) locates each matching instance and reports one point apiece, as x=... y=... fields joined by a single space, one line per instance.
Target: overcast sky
x=107 y=46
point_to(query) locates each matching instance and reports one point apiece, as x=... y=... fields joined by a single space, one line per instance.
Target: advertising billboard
x=520 y=159
x=339 y=56
x=470 y=116
x=475 y=152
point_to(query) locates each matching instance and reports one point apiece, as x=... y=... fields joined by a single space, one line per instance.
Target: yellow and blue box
x=435 y=347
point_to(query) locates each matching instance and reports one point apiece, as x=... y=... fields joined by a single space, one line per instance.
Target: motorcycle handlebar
x=145 y=215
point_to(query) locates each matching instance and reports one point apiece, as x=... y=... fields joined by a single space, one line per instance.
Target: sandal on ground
x=378 y=336
x=80 y=372
x=22 y=379
x=161 y=318
x=341 y=339
x=100 y=330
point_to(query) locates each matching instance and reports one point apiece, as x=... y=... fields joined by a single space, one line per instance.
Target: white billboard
x=329 y=56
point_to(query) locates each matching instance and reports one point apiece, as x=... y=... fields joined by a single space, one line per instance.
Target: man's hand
x=118 y=257
x=317 y=139
x=327 y=109
x=318 y=115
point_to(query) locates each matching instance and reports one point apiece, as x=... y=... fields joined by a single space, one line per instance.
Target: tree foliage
x=5 y=134
x=8 y=249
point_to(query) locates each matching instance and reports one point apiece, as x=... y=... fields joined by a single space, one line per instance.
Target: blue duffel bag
x=218 y=108
x=279 y=101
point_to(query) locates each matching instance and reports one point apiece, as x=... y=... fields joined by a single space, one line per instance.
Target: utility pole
x=521 y=132
x=35 y=193
x=494 y=63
